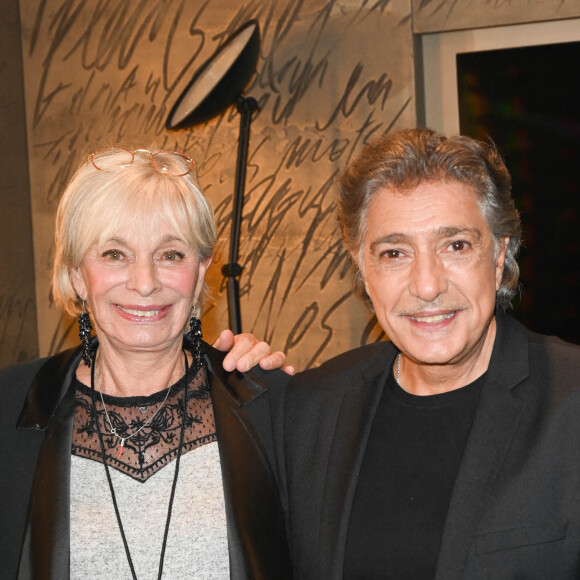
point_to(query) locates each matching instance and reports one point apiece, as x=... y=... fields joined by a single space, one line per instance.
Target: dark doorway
x=527 y=100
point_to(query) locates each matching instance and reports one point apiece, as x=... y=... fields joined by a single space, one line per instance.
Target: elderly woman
x=137 y=454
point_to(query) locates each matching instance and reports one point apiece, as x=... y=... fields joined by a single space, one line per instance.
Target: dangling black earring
x=85 y=328
x=195 y=334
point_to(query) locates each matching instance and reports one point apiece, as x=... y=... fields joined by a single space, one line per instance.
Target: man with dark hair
x=452 y=450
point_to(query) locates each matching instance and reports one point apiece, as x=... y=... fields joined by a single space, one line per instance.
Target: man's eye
x=459 y=246
x=392 y=254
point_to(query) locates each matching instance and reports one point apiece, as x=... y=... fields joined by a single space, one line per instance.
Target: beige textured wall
x=18 y=334
x=331 y=75
x=441 y=15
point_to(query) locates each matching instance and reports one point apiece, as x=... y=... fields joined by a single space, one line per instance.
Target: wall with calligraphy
x=332 y=74
x=444 y=15
x=18 y=331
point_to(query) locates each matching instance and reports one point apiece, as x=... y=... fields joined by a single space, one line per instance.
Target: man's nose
x=428 y=277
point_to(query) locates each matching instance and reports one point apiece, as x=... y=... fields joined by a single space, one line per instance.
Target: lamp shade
x=220 y=81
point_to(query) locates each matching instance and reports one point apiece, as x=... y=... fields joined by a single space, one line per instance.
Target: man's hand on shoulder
x=246 y=351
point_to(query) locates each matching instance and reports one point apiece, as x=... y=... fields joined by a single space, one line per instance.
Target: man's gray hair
x=402 y=160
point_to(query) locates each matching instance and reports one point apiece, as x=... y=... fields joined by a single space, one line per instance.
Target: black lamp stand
x=232 y=271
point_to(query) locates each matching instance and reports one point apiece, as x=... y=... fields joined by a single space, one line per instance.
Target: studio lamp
x=218 y=84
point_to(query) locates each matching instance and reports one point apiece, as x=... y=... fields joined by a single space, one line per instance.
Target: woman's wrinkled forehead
x=141 y=214
x=149 y=221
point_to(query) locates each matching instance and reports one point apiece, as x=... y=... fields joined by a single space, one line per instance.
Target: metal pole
x=246 y=106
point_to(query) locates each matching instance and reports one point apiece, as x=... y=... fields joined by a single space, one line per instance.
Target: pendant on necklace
x=121 y=448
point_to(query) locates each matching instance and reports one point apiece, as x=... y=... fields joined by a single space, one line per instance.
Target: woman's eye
x=113 y=254
x=173 y=256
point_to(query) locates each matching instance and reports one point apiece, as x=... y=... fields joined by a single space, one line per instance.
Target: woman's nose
x=143 y=277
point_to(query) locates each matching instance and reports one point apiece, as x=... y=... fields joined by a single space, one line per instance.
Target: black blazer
x=515 y=508
x=35 y=468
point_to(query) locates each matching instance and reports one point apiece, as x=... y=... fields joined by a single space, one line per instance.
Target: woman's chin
x=145 y=339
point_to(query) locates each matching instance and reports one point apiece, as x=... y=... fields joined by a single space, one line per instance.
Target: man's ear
x=500 y=261
x=355 y=256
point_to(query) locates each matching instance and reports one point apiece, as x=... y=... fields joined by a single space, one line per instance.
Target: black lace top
x=156 y=444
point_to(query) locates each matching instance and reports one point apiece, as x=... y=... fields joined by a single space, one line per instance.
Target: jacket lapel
x=50 y=407
x=256 y=534
x=47 y=389
x=494 y=427
x=354 y=422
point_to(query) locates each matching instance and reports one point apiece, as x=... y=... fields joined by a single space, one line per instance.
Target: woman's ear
x=202 y=271
x=78 y=282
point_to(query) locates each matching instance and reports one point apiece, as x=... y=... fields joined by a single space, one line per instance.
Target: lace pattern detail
x=155 y=445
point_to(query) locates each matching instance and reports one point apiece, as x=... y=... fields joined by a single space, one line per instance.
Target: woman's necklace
x=113 y=430
x=175 y=476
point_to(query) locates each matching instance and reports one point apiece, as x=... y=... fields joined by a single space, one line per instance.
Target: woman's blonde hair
x=96 y=200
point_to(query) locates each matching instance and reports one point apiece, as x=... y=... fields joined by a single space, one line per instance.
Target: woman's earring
x=195 y=333
x=85 y=328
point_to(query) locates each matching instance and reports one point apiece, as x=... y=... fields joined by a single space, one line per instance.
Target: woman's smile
x=146 y=313
x=141 y=286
